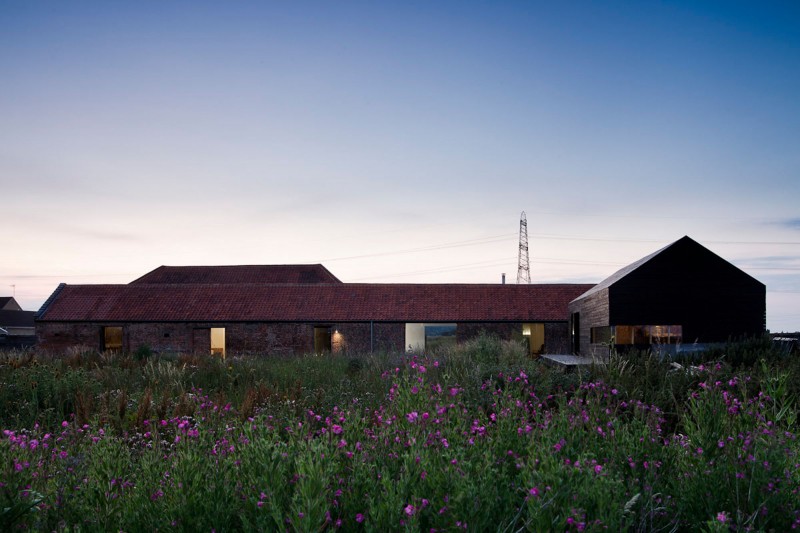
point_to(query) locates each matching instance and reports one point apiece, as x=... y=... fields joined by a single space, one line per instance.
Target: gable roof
x=236 y=274
x=8 y=303
x=683 y=243
x=341 y=302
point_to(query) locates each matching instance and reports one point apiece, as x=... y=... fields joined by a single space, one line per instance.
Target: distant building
x=16 y=326
x=237 y=274
x=681 y=294
x=8 y=303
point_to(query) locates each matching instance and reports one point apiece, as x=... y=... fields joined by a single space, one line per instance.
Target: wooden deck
x=570 y=361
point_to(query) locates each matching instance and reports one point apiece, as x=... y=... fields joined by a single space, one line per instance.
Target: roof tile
x=341 y=302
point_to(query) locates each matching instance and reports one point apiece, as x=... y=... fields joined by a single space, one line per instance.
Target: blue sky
x=398 y=142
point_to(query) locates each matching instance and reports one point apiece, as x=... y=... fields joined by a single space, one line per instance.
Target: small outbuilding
x=681 y=294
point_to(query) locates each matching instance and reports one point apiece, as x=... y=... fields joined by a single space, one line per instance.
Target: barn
x=296 y=309
x=681 y=294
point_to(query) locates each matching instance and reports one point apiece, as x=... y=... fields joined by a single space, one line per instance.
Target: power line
x=442 y=246
x=602 y=239
x=466 y=266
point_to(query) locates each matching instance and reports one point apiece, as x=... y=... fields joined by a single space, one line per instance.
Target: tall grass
x=478 y=438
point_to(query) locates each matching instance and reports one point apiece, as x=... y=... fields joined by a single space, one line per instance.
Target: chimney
x=503 y=278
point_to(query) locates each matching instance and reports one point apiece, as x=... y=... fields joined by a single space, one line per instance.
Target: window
x=218 y=342
x=439 y=336
x=322 y=339
x=112 y=338
x=429 y=337
x=601 y=335
x=623 y=334
x=666 y=334
x=534 y=333
x=641 y=335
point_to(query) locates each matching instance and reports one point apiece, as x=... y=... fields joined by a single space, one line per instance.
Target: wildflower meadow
x=476 y=438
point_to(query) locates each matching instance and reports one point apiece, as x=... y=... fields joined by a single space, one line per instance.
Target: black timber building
x=680 y=294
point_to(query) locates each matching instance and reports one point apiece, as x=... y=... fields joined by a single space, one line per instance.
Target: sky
x=397 y=141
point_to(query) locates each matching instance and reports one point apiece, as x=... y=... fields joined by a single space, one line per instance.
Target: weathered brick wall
x=240 y=338
x=384 y=337
x=59 y=337
x=267 y=338
x=556 y=338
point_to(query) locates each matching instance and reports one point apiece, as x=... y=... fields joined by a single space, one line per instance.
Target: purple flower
x=359 y=518
x=722 y=517
x=412 y=416
x=409 y=510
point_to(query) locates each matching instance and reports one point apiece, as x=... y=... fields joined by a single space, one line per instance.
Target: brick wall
x=266 y=338
x=383 y=337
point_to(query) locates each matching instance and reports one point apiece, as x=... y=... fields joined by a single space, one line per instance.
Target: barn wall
x=360 y=337
x=594 y=312
x=712 y=299
x=267 y=338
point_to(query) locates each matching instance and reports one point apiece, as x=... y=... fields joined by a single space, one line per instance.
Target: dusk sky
x=397 y=142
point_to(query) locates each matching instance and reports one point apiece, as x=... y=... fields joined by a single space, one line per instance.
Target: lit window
x=112 y=338
x=218 y=342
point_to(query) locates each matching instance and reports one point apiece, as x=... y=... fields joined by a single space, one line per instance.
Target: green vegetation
x=479 y=437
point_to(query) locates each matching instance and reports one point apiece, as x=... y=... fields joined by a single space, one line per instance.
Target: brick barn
x=296 y=309
x=680 y=294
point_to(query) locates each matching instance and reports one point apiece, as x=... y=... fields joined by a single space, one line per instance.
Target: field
x=478 y=437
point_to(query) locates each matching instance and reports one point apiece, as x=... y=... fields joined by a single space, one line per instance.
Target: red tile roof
x=342 y=302
x=240 y=274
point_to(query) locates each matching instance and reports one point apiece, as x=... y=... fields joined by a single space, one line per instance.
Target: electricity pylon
x=523 y=265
